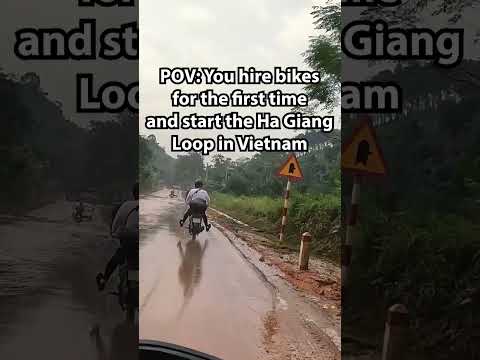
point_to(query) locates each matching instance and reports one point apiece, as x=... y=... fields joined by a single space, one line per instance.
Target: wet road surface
x=200 y=294
x=48 y=297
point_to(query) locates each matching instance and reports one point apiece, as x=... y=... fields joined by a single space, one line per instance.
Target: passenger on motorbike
x=197 y=201
x=125 y=228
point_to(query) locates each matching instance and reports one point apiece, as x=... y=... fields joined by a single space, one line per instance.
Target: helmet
x=198 y=183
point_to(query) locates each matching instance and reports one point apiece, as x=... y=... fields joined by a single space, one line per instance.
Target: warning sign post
x=292 y=171
x=361 y=156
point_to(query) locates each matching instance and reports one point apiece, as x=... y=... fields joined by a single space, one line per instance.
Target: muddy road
x=48 y=298
x=207 y=295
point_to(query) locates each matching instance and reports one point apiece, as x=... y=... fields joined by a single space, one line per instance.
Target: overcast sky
x=223 y=34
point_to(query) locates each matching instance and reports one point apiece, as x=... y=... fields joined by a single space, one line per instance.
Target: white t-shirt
x=126 y=219
x=197 y=194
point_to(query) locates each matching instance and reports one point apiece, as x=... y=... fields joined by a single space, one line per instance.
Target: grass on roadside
x=318 y=215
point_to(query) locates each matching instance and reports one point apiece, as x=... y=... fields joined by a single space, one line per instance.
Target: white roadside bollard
x=395 y=340
x=304 y=251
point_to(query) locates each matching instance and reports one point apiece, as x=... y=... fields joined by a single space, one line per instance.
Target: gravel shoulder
x=305 y=322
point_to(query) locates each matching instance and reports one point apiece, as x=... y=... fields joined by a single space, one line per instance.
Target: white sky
x=223 y=34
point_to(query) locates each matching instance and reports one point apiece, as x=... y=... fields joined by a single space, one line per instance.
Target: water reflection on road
x=197 y=293
x=190 y=270
x=48 y=299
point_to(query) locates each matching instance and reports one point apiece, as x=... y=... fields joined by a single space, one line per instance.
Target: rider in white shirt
x=198 y=201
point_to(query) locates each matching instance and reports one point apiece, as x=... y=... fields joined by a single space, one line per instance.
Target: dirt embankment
x=307 y=305
x=321 y=282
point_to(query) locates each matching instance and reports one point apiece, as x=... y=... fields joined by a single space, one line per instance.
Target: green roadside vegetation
x=45 y=156
x=155 y=166
x=318 y=215
x=418 y=237
x=249 y=190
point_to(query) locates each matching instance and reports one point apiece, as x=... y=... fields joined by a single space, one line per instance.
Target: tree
x=415 y=11
x=155 y=166
x=188 y=168
x=324 y=55
x=256 y=175
x=40 y=150
x=112 y=165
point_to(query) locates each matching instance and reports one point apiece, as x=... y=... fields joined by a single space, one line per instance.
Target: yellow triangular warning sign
x=291 y=169
x=362 y=154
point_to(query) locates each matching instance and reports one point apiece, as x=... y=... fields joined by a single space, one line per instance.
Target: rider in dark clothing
x=127 y=252
x=125 y=227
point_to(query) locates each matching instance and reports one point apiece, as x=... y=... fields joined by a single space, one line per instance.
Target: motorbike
x=79 y=216
x=195 y=225
x=127 y=292
x=172 y=194
x=128 y=281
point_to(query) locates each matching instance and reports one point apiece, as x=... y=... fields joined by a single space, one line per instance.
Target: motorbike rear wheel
x=125 y=297
x=195 y=228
